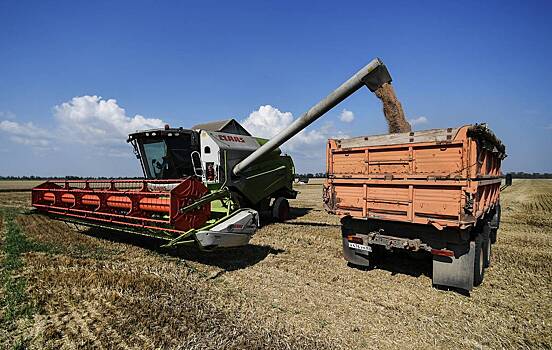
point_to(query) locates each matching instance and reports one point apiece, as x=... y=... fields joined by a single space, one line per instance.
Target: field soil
x=291 y=288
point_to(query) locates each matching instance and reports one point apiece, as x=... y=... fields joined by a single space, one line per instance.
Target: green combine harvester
x=206 y=186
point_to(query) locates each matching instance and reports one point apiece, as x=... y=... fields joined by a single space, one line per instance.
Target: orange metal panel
x=135 y=202
x=425 y=182
x=391 y=161
x=351 y=162
x=351 y=197
x=442 y=201
x=439 y=160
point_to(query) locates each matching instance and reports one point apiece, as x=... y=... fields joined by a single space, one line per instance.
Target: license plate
x=366 y=248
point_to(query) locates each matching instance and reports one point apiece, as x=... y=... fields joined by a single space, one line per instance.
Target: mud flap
x=235 y=231
x=456 y=271
x=353 y=256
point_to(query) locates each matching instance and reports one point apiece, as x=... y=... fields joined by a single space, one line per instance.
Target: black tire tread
x=477 y=276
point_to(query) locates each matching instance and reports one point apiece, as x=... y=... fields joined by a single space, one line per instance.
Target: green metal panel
x=270 y=176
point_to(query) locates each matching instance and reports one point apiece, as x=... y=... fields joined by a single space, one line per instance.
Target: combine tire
x=280 y=209
x=479 y=261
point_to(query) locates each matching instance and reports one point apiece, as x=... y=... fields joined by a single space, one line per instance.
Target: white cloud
x=26 y=134
x=88 y=120
x=102 y=126
x=418 y=121
x=308 y=147
x=15 y=128
x=346 y=116
x=268 y=121
x=93 y=120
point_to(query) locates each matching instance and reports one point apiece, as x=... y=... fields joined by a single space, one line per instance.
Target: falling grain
x=392 y=109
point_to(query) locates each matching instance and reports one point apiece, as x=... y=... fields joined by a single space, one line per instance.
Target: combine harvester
x=201 y=186
x=188 y=194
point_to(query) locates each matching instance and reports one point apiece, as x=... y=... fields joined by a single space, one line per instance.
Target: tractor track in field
x=542 y=203
x=86 y=325
x=107 y=295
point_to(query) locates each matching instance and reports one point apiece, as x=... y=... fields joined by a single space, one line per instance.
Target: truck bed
x=443 y=177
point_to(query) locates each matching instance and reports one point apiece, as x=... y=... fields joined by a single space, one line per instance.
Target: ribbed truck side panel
x=440 y=177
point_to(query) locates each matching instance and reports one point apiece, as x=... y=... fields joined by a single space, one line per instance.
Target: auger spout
x=373 y=75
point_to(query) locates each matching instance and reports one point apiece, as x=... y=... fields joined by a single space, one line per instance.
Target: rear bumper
x=355 y=256
x=452 y=266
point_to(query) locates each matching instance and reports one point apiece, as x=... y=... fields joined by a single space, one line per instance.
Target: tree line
x=38 y=178
x=523 y=175
x=515 y=175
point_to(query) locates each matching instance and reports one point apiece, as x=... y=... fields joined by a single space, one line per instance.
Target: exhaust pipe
x=373 y=75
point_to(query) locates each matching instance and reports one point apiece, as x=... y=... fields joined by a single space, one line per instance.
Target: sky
x=77 y=76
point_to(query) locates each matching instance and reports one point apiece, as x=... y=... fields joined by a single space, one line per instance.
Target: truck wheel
x=487 y=252
x=280 y=209
x=495 y=223
x=479 y=262
x=492 y=235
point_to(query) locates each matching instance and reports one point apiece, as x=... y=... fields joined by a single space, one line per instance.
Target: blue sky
x=188 y=62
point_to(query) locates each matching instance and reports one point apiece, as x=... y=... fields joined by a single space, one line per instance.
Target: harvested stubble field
x=290 y=288
x=14 y=185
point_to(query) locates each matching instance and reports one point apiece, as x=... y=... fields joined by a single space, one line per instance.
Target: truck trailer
x=434 y=191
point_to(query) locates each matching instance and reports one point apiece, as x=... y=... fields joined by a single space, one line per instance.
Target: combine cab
x=210 y=156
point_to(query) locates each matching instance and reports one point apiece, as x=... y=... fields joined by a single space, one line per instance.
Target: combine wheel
x=280 y=209
x=479 y=261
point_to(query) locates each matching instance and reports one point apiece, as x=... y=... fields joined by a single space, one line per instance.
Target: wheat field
x=289 y=289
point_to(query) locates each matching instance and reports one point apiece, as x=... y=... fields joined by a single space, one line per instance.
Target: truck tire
x=495 y=223
x=487 y=252
x=280 y=209
x=492 y=236
x=479 y=262
x=486 y=238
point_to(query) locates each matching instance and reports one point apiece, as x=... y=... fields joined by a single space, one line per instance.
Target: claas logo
x=231 y=138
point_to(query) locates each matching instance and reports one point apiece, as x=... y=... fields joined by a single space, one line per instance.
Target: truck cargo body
x=431 y=191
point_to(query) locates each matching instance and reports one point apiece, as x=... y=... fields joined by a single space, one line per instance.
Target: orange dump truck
x=435 y=191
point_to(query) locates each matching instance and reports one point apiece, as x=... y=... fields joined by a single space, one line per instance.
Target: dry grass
x=19 y=184
x=15 y=200
x=290 y=288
